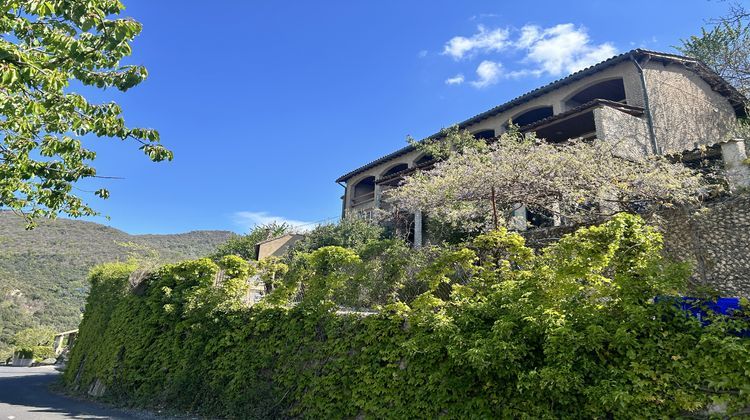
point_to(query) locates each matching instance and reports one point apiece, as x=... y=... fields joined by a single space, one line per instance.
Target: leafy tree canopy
x=725 y=47
x=31 y=337
x=478 y=185
x=47 y=47
x=350 y=232
x=34 y=343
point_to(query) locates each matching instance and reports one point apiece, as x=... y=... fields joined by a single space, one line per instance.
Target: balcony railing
x=363 y=198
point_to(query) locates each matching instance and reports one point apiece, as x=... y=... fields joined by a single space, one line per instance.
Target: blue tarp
x=699 y=308
x=725 y=306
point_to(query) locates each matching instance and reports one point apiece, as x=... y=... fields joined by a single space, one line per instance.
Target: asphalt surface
x=25 y=394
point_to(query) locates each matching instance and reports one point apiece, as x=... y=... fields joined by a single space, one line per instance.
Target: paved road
x=25 y=394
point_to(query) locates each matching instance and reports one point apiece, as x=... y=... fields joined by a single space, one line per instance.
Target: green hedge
x=572 y=331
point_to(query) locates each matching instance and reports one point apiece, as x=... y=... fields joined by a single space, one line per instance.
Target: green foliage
x=451 y=141
x=43 y=271
x=48 y=46
x=572 y=331
x=350 y=232
x=34 y=343
x=725 y=47
x=244 y=246
x=32 y=337
x=271 y=270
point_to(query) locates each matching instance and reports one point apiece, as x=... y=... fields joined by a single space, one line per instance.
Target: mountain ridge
x=43 y=271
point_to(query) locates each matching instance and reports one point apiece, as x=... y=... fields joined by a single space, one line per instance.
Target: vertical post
x=344 y=200
x=57 y=345
x=736 y=164
x=418 y=229
x=494 y=208
x=556 y=218
x=519 y=217
x=378 y=194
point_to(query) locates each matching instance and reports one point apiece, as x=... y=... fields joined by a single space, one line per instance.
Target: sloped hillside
x=43 y=271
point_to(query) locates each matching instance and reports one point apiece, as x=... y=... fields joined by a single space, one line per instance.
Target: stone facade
x=686 y=111
x=716 y=241
x=628 y=133
x=683 y=103
x=642 y=102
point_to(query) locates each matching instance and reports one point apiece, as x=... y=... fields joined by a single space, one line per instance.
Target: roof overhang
x=717 y=83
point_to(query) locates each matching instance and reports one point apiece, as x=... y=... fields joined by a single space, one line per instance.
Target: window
x=539 y=218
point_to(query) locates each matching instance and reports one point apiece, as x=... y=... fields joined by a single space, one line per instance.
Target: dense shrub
x=34 y=343
x=351 y=233
x=500 y=331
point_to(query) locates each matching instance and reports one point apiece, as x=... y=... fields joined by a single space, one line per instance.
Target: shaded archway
x=424 y=159
x=363 y=191
x=532 y=116
x=612 y=90
x=484 y=134
x=394 y=170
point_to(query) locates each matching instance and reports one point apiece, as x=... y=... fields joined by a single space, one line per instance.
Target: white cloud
x=484 y=16
x=489 y=73
x=563 y=48
x=249 y=219
x=422 y=54
x=455 y=80
x=529 y=35
x=556 y=50
x=483 y=41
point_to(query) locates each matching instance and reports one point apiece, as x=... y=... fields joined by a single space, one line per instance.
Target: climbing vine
x=500 y=331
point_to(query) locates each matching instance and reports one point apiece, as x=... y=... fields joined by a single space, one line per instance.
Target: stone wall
x=716 y=241
x=686 y=111
x=627 y=134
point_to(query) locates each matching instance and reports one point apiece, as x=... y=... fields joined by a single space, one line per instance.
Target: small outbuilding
x=276 y=247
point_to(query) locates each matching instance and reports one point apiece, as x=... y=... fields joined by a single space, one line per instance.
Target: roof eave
x=738 y=101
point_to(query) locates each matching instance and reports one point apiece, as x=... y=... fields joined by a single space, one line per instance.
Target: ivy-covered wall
x=570 y=331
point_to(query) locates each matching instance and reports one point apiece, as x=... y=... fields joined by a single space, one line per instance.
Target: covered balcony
x=579 y=122
x=363 y=194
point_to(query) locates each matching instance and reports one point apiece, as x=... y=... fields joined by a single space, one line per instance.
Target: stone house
x=644 y=102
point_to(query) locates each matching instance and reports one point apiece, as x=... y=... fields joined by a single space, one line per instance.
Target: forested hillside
x=43 y=272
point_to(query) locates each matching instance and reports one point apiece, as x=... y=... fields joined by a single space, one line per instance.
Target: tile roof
x=720 y=85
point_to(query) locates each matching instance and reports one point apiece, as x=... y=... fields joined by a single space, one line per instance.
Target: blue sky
x=266 y=103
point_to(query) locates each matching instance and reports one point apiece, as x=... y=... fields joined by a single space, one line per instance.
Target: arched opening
x=539 y=218
x=424 y=159
x=395 y=169
x=484 y=134
x=364 y=191
x=612 y=90
x=532 y=116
